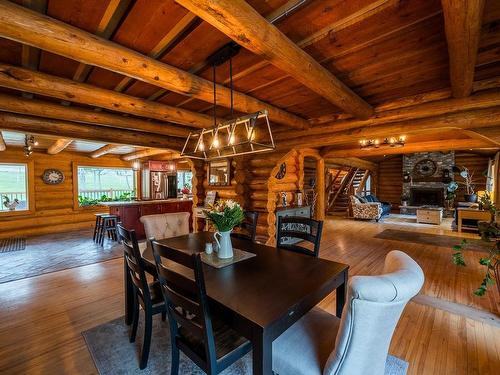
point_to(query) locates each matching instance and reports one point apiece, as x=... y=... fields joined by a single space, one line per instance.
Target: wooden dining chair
x=208 y=342
x=147 y=295
x=299 y=229
x=248 y=227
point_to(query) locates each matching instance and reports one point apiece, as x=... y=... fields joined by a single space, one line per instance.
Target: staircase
x=343 y=182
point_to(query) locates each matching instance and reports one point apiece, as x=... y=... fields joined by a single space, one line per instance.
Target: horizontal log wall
x=476 y=164
x=53 y=204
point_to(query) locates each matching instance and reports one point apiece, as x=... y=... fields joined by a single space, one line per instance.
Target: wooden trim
x=28 y=27
x=242 y=23
x=30 y=188
x=462 y=21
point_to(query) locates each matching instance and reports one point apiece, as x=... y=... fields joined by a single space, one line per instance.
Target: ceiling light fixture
x=29 y=144
x=369 y=144
x=242 y=135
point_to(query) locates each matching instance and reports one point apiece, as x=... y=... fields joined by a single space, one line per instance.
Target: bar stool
x=108 y=227
x=98 y=226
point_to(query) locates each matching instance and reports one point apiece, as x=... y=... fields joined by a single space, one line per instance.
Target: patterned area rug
x=431 y=239
x=12 y=244
x=113 y=354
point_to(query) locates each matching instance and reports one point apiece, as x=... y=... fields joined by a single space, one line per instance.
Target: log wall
x=390 y=181
x=53 y=204
x=476 y=164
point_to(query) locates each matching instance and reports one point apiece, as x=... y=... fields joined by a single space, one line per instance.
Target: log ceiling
x=135 y=72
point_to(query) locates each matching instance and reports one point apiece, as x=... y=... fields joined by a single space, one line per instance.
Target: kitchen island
x=130 y=212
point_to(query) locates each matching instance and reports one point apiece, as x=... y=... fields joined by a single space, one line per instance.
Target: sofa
x=369 y=207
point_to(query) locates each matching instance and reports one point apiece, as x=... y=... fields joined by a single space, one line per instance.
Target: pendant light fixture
x=246 y=134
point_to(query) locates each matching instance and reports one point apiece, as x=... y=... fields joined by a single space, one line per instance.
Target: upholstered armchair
x=368 y=210
x=168 y=225
x=322 y=344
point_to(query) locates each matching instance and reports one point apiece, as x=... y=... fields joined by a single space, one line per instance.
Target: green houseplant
x=490 y=232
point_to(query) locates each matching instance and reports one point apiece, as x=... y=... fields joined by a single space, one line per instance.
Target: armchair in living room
x=366 y=210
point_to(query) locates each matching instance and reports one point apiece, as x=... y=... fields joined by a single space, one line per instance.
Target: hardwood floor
x=444 y=332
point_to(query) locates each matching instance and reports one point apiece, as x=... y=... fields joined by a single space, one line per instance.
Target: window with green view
x=101 y=184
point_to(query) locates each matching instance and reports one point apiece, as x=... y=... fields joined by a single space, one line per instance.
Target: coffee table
x=430 y=215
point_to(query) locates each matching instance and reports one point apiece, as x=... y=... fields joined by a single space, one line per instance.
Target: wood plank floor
x=41 y=318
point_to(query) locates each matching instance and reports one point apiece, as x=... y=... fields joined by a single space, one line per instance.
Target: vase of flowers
x=225 y=215
x=185 y=191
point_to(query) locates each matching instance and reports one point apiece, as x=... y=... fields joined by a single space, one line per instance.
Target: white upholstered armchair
x=321 y=344
x=168 y=225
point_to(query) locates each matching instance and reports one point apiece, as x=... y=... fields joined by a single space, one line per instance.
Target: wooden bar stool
x=108 y=228
x=98 y=226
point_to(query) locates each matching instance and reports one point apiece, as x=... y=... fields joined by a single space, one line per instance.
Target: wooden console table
x=471 y=214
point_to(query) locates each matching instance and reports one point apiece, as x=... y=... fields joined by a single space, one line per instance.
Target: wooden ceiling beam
x=106 y=149
x=58 y=146
x=3 y=146
x=165 y=43
x=113 y=14
x=28 y=27
x=66 y=89
x=242 y=23
x=144 y=153
x=408 y=113
x=66 y=129
x=462 y=21
x=55 y=111
x=474 y=119
x=447 y=145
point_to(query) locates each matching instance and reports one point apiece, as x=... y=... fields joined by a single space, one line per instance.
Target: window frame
x=30 y=187
x=90 y=164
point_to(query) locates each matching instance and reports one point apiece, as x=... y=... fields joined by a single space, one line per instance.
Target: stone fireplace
x=427 y=186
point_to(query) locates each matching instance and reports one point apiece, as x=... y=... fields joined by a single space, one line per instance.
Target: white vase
x=224 y=244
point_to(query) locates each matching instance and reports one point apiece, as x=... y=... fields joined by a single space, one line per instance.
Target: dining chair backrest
x=161 y=226
x=300 y=228
x=373 y=307
x=134 y=261
x=248 y=226
x=183 y=287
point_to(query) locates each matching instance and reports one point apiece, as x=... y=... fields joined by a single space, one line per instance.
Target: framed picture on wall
x=210 y=198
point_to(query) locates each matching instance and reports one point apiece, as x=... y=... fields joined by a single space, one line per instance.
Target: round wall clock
x=425 y=168
x=53 y=176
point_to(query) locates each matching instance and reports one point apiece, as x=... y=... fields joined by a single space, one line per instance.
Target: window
x=102 y=184
x=14 y=187
x=184 y=179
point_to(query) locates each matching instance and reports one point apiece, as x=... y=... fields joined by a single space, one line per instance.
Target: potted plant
x=405 y=198
x=225 y=215
x=490 y=232
x=467 y=175
x=185 y=191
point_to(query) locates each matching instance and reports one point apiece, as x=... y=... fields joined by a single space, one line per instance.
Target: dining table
x=259 y=297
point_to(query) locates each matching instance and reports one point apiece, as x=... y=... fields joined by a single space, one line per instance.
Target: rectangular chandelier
x=247 y=134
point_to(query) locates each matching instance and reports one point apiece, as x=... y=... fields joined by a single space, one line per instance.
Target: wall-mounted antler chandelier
x=242 y=135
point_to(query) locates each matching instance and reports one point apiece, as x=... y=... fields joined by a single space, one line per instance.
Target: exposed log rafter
x=28 y=27
x=43 y=108
x=247 y=27
x=106 y=149
x=462 y=20
x=145 y=153
x=66 y=129
x=58 y=146
x=66 y=89
x=3 y=146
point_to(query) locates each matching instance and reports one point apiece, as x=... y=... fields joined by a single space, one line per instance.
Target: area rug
x=114 y=355
x=431 y=239
x=12 y=244
x=55 y=252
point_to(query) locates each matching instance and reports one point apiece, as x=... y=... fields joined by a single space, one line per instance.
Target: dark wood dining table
x=263 y=296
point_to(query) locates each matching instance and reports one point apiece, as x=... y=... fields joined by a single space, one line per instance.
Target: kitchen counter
x=130 y=212
x=152 y=201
